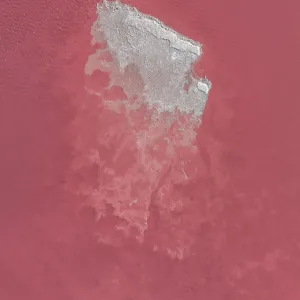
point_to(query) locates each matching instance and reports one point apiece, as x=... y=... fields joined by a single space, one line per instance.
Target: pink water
x=248 y=244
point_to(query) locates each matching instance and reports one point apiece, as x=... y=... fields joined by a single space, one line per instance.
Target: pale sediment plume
x=156 y=62
x=161 y=109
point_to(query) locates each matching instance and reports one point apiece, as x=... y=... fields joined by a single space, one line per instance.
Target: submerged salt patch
x=146 y=51
x=150 y=150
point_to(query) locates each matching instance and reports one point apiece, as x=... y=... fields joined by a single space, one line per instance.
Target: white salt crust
x=150 y=60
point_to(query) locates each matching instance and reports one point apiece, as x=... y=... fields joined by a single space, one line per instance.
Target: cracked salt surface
x=150 y=60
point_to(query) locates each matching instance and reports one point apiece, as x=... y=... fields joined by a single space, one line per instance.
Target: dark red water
x=249 y=250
